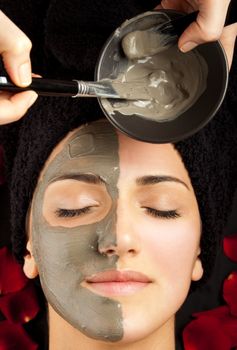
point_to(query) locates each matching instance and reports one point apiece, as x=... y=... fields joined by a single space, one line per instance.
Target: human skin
x=156 y=232
x=15 y=48
x=208 y=25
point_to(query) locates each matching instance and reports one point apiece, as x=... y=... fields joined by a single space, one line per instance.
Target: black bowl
x=112 y=61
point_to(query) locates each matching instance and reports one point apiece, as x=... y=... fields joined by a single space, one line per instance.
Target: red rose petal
x=22 y=306
x=230 y=292
x=206 y=333
x=13 y=336
x=216 y=323
x=230 y=328
x=230 y=247
x=12 y=277
x=221 y=312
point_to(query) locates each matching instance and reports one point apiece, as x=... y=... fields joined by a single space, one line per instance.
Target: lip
x=117 y=283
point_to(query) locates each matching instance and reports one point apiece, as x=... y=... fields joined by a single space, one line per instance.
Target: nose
x=126 y=240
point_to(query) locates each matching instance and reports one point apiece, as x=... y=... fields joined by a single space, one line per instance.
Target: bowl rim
x=179 y=136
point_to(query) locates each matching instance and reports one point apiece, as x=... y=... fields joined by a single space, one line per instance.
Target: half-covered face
x=115 y=230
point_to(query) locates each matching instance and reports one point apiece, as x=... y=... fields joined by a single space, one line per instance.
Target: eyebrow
x=152 y=180
x=88 y=178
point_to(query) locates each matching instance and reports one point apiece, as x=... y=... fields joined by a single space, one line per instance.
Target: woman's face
x=115 y=230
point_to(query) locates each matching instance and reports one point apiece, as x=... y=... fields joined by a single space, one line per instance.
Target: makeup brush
x=105 y=88
x=143 y=43
x=174 y=28
x=149 y=42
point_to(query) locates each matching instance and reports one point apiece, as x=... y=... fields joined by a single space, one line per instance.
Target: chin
x=136 y=330
x=144 y=324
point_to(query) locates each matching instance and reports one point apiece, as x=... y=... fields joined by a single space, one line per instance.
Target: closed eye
x=70 y=213
x=166 y=214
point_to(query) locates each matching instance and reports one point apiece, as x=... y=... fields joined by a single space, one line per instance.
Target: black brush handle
x=181 y=24
x=231 y=16
x=178 y=26
x=43 y=87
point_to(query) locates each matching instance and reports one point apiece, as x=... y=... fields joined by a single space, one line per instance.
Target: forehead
x=144 y=158
x=99 y=142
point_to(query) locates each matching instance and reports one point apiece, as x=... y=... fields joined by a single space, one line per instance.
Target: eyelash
x=165 y=214
x=70 y=213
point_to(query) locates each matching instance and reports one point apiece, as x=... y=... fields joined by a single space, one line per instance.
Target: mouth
x=117 y=283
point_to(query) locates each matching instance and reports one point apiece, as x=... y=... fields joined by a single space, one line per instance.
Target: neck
x=62 y=336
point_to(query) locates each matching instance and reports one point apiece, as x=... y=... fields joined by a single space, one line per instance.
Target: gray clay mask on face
x=65 y=256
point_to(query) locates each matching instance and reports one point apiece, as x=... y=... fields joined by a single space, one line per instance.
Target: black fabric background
x=210 y=296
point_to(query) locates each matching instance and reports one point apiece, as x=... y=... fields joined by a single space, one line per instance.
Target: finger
x=158 y=7
x=36 y=75
x=208 y=25
x=15 y=49
x=181 y=5
x=228 y=38
x=13 y=107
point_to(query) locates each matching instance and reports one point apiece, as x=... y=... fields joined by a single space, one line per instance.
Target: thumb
x=15 y=49
x=207 y=27
x=195 y=35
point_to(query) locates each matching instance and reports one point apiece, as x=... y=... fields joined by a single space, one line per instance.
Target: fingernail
x=188 y=46
x=32 y=99
x=25 y=74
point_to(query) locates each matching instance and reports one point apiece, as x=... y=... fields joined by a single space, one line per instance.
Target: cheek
x=171 y=245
